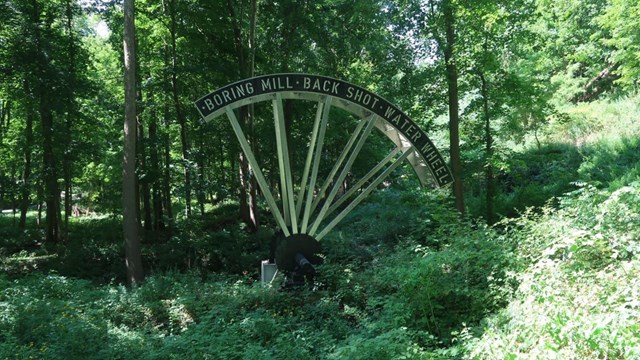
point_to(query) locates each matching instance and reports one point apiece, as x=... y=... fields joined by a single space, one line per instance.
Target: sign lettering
x=230 y=94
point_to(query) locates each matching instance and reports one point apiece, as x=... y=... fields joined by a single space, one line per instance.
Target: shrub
x=578 y=297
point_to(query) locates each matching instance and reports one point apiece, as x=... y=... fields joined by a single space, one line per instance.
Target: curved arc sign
x=397 y=125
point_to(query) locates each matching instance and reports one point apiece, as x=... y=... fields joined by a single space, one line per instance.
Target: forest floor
x=404 y=277
x=554 y=283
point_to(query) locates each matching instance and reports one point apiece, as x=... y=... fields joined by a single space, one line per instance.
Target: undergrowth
x=553 y=283
x=578 y=298
x=404 y=277
x=389 y=291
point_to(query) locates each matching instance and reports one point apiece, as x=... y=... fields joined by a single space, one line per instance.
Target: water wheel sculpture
x=304 y=210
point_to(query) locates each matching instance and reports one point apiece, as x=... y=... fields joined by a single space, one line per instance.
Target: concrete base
x=268 y=272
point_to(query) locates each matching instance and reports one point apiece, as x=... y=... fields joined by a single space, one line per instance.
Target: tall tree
x=488 y=138
x=254 y=220
x=621 y=19
x=71 y=110
x=135 y=273
x=495 y=37
x=246 y=67
x=143 y=176
x=437 y=22
x=180 y=113
x=26 y=174
x=154 y=165
x=450 y=58
x=569 y=52
x=44 y=74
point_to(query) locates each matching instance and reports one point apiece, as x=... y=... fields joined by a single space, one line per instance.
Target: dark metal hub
x=297 y=255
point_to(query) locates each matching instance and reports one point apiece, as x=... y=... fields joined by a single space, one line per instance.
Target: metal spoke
x=286 y=180
x=314 y=205
x=365 y=193
x=307 y=163
x=336 y=166
x=336 y=186
x=262 y=182
x=326 y=108
x=362 y=181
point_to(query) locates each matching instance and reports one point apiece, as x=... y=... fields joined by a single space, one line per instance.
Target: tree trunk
x=4 y=106
x=248 y=186
x=39 y=198
x=182 y=121
x=66 y=168
x=5 y=119
x=135 y=273
x=26 y=175
x=253 y=185
x=201 y=163
x=243 y=171
x=144 y=182
x=452 y=84
x=201 y=192
x=488 y=150
x=154 y=166
x=71 y=108
x=166 y=183
x=51 y=190
x=243 y=168
x=14 y=204
x=166 y=140
x=50 y=177
x=39 y=218
x=223 y=177
x=232 y=165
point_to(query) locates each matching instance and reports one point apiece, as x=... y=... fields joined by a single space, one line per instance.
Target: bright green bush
x=48 y=317
x=438 y=291
x=394 y=344
x=530 y=179
x=613 y=163
x=578 y=297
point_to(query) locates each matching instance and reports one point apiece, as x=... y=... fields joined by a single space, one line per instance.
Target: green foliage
x=553 y=282
x=381 y=221
x=186 y=315
x=50 y=317
x=394 y=344
x=572 y=57
x=620 y=19
x=595 y=143
x=613 y=164
x=438 y=291
x=577 y=298
x=404 y=276
x=530 y=179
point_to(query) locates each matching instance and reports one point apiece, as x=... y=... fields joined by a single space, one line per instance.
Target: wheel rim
x=306 y=206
